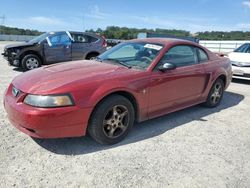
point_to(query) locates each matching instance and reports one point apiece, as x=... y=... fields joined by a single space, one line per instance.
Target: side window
x=202 y=55
x=79 y=38
x=64 y=39
x=181 y=55
x=59 y=39
x=54 y=39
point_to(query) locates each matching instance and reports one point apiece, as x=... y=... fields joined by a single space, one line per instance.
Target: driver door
x=176 y=88
x=58 y=48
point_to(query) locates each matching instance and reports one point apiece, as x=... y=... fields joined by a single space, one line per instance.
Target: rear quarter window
x=92 y=39
x=79 y=38
x=202 y=55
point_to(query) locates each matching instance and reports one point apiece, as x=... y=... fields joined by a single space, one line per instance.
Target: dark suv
x=54 y=47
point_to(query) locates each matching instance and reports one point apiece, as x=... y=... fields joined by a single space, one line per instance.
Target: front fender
x=138 y=90
x=109 y=88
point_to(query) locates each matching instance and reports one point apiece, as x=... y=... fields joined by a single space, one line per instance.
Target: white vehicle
x=240 y=60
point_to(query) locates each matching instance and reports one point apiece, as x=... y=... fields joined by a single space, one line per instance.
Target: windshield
x=132 y=54
x=245 y=48
x=39 y=38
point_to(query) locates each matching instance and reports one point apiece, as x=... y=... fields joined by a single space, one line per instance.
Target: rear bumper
x=241 y=72
x=229 y=79
x=46 y=122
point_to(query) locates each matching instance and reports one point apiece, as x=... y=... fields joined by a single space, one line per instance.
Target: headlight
x=15 y=51
x=49 y=101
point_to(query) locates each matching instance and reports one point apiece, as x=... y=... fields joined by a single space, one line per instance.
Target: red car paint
x=155 y=93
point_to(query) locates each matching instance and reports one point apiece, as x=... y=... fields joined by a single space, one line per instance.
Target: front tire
x=111 y=120
x=216 y=93
x=30 y=62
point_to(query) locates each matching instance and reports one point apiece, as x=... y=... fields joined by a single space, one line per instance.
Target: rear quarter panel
x=216 y=67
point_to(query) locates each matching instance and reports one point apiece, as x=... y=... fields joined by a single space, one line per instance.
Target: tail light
x=221 y=54
x=104 y=43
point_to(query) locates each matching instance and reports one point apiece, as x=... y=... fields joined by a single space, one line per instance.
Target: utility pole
x=3 y=20
x=83 y=22
x=2 y=23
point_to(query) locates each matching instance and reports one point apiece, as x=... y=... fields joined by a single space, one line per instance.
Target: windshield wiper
x=118 y=62
x=138 y=67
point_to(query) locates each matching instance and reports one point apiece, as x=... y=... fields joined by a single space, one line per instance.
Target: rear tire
x=216 y=93
x=111 y=120
x=30 y=62
x=92 y=56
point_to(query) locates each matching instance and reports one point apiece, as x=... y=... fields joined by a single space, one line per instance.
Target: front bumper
x=46 y=122
x=241 y=72
x=5 y=56
x=12 y=59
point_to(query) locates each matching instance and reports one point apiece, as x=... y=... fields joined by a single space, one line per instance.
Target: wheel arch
x=90 y=53
x=31 y=52
x=126 y=94
x=223 y=78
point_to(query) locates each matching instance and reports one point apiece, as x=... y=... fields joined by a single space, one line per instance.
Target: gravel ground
x=195 y=147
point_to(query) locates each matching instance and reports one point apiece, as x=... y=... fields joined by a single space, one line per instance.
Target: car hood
x=239 y=57
x=19 y=45
x=55 y=78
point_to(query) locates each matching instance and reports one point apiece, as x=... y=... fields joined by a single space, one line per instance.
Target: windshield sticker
x=153 y=46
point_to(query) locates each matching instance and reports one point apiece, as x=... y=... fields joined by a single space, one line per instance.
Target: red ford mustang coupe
x=133 y=81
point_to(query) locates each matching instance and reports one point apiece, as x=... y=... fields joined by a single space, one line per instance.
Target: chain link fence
x=16 y=37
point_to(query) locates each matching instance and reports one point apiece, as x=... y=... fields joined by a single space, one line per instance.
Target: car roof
x=76 y=32
x=165 y=41
x=73 y=32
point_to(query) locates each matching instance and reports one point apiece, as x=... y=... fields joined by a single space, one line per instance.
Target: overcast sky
x=191 y=15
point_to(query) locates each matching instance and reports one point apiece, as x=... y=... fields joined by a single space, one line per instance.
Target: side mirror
x=167 y=66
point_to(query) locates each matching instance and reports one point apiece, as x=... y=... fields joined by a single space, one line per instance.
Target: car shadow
x=18 y=69
x=140 y=131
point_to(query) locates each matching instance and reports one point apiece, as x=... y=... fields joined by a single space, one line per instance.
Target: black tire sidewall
x=25 y=58
x=95 y=128
x=92 y=55
x=209 y=103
